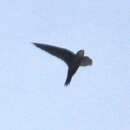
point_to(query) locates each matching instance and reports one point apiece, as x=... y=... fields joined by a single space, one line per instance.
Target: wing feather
x=66 y=55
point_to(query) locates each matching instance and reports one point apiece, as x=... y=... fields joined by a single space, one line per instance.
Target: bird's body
x=71 y=59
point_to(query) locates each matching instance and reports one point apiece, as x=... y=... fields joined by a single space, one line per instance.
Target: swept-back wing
x=66 y=55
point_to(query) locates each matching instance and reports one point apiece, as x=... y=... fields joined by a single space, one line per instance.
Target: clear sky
x=32 y=92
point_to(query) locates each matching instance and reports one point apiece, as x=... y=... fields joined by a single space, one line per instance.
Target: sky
x=32 y=92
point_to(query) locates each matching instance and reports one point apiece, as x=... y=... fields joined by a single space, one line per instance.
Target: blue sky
x=32 y=92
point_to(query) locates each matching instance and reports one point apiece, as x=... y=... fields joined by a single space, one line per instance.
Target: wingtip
x=34 y=43
x=66 y=84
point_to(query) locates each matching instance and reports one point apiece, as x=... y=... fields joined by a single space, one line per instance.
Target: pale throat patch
x=85 y=61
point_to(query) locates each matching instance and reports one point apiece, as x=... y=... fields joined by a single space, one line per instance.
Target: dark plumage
x=72 y=60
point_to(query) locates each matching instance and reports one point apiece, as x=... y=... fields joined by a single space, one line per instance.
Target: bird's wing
x=64 y=54
x=71 y=71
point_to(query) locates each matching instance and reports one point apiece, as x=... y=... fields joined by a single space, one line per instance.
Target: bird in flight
x=73 y=61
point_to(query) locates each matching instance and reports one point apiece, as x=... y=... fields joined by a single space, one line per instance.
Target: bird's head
x=80 y=53
x=86 y=61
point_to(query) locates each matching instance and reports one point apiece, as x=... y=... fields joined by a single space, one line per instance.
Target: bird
x=73 y=60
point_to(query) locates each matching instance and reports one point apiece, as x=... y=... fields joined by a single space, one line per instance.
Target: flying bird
x=73 y=61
